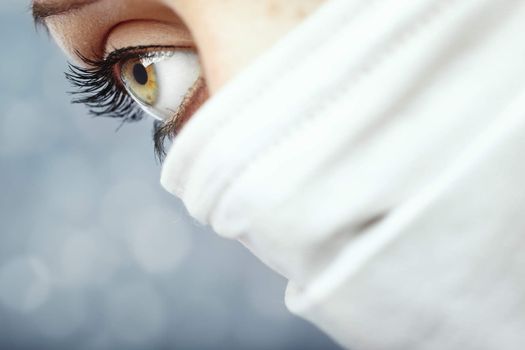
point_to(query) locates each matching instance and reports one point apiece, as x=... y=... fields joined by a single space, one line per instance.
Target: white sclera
x=176 y=72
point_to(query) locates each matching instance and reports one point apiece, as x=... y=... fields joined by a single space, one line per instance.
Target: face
x=162 y=58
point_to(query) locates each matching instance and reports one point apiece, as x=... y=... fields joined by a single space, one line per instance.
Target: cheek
x=230 y=34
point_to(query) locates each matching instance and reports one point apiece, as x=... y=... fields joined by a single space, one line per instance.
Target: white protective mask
x=376 y=158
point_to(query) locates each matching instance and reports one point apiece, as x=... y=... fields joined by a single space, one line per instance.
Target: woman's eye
x=159 y=81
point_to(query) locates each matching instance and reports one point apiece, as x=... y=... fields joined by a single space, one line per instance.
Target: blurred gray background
x=93 y=253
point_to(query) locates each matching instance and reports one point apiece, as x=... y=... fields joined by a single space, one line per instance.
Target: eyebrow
x=41 y=11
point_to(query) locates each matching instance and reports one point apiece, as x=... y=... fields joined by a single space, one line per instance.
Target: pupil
x=140 y=74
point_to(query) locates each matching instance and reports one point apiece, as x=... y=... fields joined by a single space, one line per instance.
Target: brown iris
x=140 y=81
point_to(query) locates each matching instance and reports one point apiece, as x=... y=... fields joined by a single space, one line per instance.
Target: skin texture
x=228 y=34
x=232 y=33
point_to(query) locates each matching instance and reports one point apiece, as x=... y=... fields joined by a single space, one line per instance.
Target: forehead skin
x=227 y=33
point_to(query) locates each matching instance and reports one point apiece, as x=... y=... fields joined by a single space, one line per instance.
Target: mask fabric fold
x=375 y=157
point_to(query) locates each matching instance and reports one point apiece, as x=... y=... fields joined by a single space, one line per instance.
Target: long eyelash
x=102 y=92
x=99 y=89
x=161 y=131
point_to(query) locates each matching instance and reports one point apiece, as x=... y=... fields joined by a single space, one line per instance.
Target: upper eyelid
x=143 y=50
x=126 y=53
x=119 y=55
